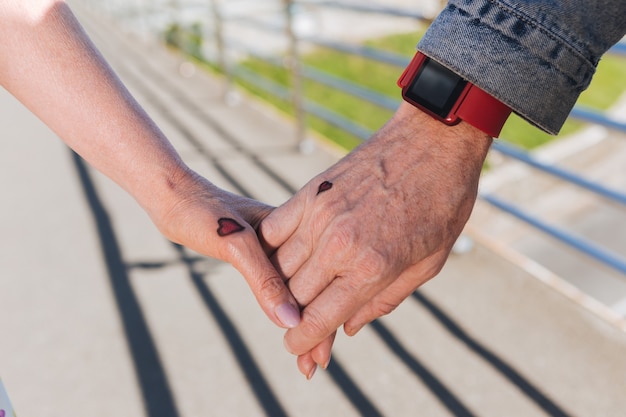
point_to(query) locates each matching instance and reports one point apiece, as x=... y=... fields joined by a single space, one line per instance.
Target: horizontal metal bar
x=364 y=51
x=241 y=47
x=315 y=109
x=593 y=116
x=618 y=49
x=263 y=83
x=324 y=78
x=256 y=23
x=350 y=88
x=376 y=9
x=601 y=254
x=523 y=156
x=336 y=119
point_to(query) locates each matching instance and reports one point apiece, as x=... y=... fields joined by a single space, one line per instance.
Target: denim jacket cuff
x=510 y=56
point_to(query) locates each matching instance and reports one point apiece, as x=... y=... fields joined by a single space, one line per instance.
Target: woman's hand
x=223 y=225
x=50 y=65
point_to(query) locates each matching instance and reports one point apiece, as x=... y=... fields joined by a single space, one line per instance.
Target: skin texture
x=398 y=204
x=49 y=64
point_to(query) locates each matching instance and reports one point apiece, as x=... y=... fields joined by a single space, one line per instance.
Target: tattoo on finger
x=325 y=186
x=228 y=226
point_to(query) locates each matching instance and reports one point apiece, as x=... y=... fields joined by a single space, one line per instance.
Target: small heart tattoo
x=228 y=226
x=325 y=186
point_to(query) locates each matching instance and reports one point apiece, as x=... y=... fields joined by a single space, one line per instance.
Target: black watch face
x=435 y=87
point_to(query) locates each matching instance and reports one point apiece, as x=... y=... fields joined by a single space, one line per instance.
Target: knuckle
x=383 y=308
x=313 y=325
x=373 y=264
x=271 y=287
x=269 y=229
x=343 y=238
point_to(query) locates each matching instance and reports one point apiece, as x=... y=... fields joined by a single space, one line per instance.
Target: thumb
x=281 y=223
x=268 y=287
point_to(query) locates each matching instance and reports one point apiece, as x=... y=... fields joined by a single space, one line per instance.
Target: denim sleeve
x=536 y=56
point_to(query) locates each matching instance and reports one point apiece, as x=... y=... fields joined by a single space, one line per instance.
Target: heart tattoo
x=325 y=186
x=228 y=226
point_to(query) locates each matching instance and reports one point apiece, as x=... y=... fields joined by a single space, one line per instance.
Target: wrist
x=462 y=138
x=413 y=148
x=160 y=188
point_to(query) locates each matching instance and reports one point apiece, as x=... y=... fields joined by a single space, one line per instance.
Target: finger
x=282 y=223
x=336 y=304
x=318 y=356
x=390 y=298
x=322 y=352
x=285 y=238
x=301 y=222
x=247 y=256
x=307 y=365
x=316 y=273
x=338 y=253
x=381 y=305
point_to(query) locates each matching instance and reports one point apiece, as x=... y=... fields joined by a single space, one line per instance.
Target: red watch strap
x=483 y=111
x=475 y=106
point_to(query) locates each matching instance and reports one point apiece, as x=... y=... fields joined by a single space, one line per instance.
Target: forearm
x=416 y=134
x=535 y=56
x=50 y=65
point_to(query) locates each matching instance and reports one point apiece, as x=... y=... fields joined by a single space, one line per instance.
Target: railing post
x=222 y=62
x=143 y=14
x=173 y=9
x=296 y=74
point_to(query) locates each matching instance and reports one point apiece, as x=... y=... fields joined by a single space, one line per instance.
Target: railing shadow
x=439 y=390
x=257 y=382
x=155 y=389
x=518 y=380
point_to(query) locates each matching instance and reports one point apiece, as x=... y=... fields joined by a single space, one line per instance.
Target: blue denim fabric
x=536 y=56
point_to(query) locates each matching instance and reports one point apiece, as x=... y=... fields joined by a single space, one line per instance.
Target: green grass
x=608 y=84
x=373 y=75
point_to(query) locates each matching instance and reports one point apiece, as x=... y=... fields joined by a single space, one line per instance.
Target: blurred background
x=101 y=315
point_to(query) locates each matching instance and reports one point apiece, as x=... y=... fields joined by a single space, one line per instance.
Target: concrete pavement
x=596 y=154
x=100 y=315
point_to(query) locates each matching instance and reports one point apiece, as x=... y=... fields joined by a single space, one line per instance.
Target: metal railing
x=279 y=18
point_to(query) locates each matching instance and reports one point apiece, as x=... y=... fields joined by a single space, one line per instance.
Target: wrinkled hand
x=222 y=225
x=362 y=236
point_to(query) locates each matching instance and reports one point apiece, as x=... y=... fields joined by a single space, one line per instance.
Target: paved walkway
x=101 y=316
x=597 y=154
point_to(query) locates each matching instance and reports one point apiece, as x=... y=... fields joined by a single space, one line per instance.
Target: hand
x=49 y=64
x=362 y=236
x=222 y=225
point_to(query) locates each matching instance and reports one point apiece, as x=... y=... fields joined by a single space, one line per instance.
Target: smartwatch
x=449 y=98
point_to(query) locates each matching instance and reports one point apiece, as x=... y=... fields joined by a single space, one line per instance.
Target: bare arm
x=51 y=66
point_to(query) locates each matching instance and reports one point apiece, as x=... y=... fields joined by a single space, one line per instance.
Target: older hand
x=362 y=236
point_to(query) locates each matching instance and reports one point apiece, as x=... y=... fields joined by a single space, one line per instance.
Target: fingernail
x=325 y=366
x=288 y=315
x=311 y=373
